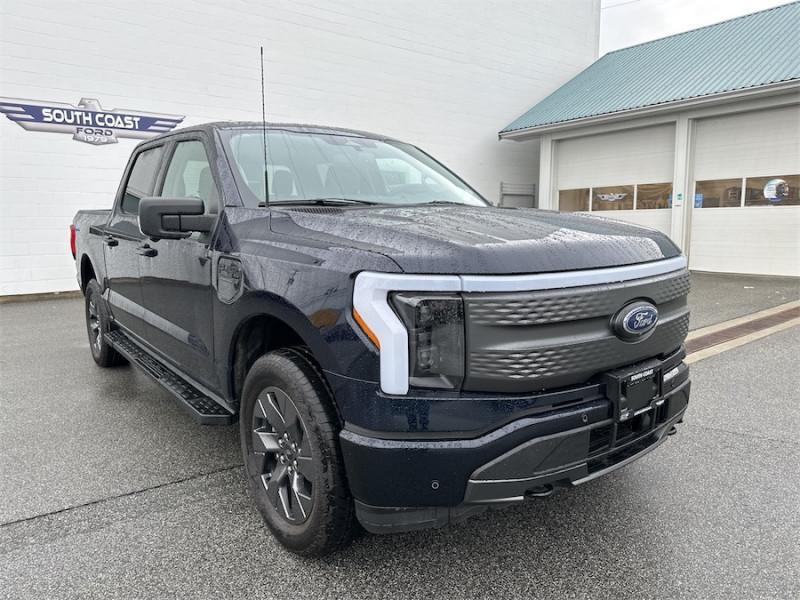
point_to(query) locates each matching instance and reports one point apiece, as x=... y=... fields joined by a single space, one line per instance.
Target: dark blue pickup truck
x=397 y=351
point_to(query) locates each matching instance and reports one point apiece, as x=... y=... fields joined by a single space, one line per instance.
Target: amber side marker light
x=365 y=328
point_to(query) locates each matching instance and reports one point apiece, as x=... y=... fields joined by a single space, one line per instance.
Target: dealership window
x=617 y=197
x=781 y=190
x=643 y=196
x=653 y=195
x=573 y=200
x=718 y=193
x=141 y=180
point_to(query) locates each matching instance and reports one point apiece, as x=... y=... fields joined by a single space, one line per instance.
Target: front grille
x=571 y=304
x=537 y=340
x=591 y=355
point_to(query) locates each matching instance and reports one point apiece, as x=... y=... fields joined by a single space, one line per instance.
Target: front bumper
x=403 y=484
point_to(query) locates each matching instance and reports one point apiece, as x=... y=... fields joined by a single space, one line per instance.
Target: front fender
x=257 y=303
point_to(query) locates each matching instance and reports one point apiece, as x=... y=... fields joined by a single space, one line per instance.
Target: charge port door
x=229 y=279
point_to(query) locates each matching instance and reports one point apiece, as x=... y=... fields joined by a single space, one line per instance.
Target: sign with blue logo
x=87 y=122
x=635 y=321
x=640 y=320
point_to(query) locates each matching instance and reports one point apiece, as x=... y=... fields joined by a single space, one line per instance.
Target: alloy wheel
x=95 y=330
x=281 y=455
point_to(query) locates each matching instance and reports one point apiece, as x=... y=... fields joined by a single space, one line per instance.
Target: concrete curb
x=44 y=296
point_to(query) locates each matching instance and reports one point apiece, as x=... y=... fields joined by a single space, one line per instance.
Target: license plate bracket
x=634 y=390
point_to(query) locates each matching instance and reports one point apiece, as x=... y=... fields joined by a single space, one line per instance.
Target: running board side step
x=203 y=408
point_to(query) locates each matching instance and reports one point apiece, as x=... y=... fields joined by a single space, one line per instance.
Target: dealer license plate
x=634 y=391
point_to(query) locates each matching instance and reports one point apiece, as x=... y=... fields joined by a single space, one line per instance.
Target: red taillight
x=72 y=240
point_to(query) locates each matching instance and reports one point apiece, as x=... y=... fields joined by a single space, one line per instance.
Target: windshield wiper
x=318 y=202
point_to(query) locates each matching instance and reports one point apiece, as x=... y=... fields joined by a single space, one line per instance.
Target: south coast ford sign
x=88 y=121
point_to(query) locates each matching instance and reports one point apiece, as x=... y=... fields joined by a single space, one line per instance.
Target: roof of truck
x=297 y=127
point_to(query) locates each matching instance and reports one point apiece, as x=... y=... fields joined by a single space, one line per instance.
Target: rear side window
x=142 y=179
x=189 y=174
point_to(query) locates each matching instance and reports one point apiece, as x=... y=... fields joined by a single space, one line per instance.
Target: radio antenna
x=264 y=131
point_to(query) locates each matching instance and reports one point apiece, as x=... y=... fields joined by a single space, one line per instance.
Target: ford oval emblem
x=635 y=321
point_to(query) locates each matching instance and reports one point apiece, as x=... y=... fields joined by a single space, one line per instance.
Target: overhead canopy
x=749 y=52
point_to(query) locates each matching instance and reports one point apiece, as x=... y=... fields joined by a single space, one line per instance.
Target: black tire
x=286 y=404
x=98 y=323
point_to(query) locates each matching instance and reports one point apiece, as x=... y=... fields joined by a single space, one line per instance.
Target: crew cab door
x=122 y=241
x=176 y=274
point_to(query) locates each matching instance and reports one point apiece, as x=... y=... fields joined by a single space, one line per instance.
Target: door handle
x=147 y=251
x=110 y=240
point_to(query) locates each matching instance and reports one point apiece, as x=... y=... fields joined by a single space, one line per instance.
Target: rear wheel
x=97 y=324
x=289 y=434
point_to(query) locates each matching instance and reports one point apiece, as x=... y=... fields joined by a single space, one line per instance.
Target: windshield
x=308 y=167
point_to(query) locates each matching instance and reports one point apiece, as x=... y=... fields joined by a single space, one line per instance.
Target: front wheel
x=289 y=434
x=97 y=324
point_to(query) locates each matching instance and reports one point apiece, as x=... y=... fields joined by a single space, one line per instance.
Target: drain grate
x=736 y=331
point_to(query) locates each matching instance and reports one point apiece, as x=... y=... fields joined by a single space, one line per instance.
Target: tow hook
x=542 y=491
x=673 y=430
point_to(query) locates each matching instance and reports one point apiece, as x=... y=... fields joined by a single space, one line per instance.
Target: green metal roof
x=746 y=52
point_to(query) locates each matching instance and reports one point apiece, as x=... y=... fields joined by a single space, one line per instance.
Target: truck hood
x=477 y=240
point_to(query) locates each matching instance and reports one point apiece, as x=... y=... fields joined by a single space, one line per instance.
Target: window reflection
x=718 y=193
x=653 y=195
x=618 y=197
x=573 y=200
x=772 y=191
x=769 y=190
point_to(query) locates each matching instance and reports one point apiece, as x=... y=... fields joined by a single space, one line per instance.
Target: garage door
x=624 y=175
x=746 y=213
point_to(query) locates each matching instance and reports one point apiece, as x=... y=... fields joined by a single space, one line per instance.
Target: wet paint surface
x=480 y=240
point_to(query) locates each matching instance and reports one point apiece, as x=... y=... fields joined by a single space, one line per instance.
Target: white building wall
x=752 y=136
x=445 y=75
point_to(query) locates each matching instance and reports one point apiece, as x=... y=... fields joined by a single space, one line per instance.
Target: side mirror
x=173 y=218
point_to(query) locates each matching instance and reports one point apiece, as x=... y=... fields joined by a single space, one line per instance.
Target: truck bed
x=89 y=246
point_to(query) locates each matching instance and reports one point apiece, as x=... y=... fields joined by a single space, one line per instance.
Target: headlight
x=379 y=319
x=435 y=325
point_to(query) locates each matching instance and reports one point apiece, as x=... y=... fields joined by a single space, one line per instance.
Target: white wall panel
x=762 y=240
x=765 y=142
x=445 y=75
x=624 y=157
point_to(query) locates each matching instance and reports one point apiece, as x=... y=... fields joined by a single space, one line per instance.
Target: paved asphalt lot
x=716 y=298
x=108 y=490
